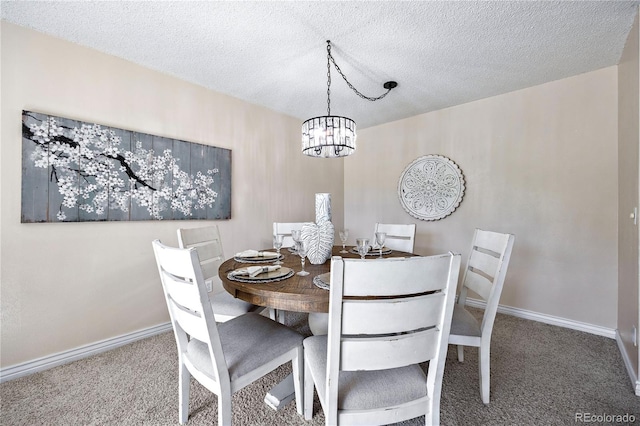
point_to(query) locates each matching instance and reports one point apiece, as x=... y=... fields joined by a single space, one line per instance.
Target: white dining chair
x=223 y=357
x=386 y=317
x=206 y=240
x=285 y=229
x=484 y=275
x=400 y=237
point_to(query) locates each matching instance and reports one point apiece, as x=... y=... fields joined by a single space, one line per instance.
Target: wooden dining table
x=296 y=293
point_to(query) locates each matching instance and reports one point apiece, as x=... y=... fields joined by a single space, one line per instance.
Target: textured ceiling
x=441 y=53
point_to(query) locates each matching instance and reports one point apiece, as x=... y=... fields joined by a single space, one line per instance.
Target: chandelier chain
x=330 y=59
x=328 y=79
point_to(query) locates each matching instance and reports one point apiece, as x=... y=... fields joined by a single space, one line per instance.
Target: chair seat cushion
x=225 y=304
x=362 y=390
x=463 y=323
x=248 y=342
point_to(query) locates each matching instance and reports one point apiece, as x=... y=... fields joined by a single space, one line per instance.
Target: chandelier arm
x=369 y=98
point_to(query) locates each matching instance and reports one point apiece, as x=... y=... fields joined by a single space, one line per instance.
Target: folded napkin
x=256 y=253
x=254 y=271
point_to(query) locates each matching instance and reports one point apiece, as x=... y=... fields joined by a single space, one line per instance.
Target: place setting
x=259 y=256
x=371 y=251
x=322 y=281
x=377 y=249
x=260 y=274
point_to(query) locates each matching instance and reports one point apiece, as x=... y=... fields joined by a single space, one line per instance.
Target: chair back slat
x=190 y=322
x=493 y=241
x=478 y=283
x=177 y=266
x=391 y=351
x=381 y=317
x=207 y=242
x=485 y=262
x=209 y=252
x=400 y=237
x=424 y=276
x=182 y=291
x=210 y=273
x=189 y=237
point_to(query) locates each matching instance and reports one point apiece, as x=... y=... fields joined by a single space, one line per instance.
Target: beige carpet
x=541 y=375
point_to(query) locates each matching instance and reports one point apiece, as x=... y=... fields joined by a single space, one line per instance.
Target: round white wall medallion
x=431 y=187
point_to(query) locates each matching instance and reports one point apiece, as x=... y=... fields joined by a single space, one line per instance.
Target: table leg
x=277 y=315
x=319 y=323
x=281 y=394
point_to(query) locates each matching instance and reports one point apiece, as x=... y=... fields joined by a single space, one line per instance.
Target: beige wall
x=64 y=285
x=540 y=163
x=628 y=144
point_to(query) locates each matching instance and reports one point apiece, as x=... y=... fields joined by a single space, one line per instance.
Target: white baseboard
x=50 y=361
x=571 y=324
x=635 y=381
x=548 y=319
x=45 y=363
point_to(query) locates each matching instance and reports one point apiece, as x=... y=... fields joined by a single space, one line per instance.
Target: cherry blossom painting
x=73 y=171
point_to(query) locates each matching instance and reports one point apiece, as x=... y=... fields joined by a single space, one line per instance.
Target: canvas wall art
x=73 y=171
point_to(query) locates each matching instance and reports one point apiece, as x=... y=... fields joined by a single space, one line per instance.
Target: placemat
x=322 y=280
x=266 y=277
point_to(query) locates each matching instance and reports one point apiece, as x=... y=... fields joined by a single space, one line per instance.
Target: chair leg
x=483 y=364
x=183 y=393
x=460 y=353
x=278 y=315
x=432 y=418
x=297 y=365
x=308 y=393
x=224 y=409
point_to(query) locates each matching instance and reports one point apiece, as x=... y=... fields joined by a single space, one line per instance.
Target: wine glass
x=301 y=249
x=344 y=234
x=380 y=237
x=296 y=235
x=363 y=246
x=277 y=244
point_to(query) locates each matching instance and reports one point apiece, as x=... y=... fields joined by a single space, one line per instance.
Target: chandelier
x=331 y=136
